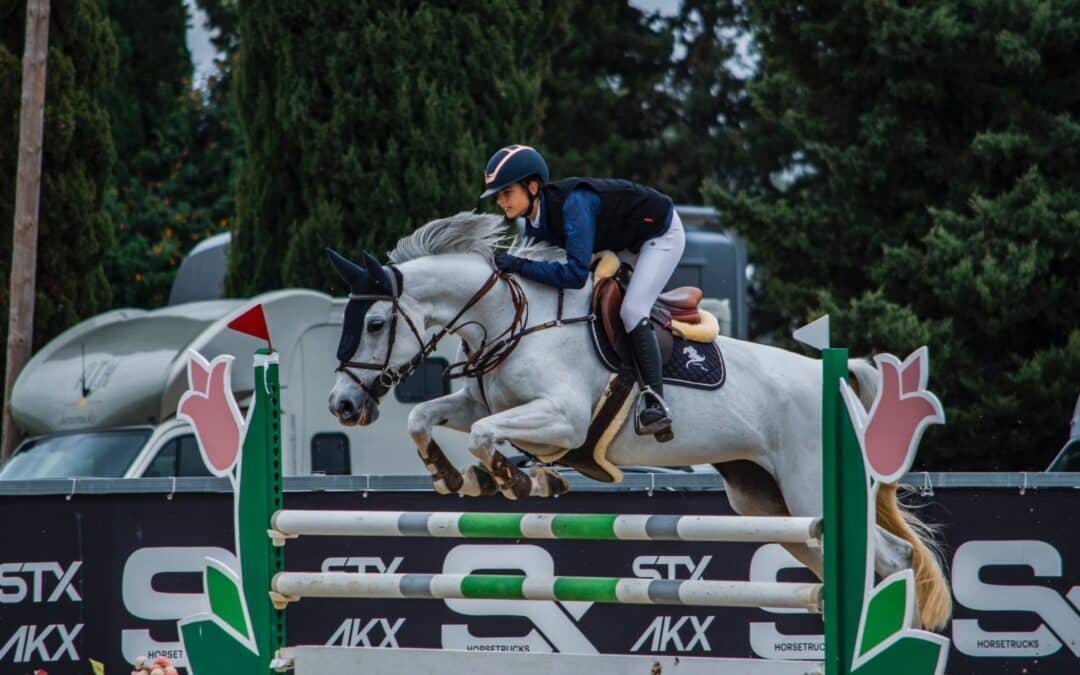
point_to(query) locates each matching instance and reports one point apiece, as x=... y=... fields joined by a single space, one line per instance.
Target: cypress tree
x=363 y=120
x=717 y=134
x=606 y=105
x=74 y=230
x=173 y=185
x=932 y=200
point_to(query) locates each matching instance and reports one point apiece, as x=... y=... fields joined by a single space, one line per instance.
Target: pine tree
x=74 y=231
x=933 y=200
x=363 y=120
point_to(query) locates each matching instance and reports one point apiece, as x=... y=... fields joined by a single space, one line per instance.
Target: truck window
x=90 y=454
x=330 y=454
x=426 y=383
x=178 y=457
x=1069 y=458
x=686 y=275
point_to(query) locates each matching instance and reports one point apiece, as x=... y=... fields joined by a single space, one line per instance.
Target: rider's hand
x=507 y=263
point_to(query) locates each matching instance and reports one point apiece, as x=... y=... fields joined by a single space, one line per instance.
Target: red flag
x=252 y=322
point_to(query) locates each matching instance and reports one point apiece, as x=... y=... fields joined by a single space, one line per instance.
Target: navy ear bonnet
x=367 y=285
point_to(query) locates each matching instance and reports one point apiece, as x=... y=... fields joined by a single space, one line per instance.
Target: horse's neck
x=444 y=284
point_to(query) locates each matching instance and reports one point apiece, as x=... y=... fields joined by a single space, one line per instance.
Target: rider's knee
x=632 y=314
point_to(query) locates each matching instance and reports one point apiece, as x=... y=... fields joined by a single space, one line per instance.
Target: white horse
x=761 y=429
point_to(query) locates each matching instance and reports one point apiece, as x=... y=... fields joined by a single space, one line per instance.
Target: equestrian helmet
x=512 y=164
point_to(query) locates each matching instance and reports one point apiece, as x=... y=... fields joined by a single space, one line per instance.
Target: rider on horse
x=584 y=216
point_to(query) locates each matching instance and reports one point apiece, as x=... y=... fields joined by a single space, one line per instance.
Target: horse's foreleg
x=456 y=411
x=540 y=421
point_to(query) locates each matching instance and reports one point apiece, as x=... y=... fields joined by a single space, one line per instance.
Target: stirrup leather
x=660 y=425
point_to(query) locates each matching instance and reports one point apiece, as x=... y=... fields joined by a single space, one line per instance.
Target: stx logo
x=364 y=565
x=354 y=633
x=643 y=565
x=14 y=588
x=31 y=643
x=666 y=634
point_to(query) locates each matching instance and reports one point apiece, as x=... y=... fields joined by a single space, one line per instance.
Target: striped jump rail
x=289 y=524
x=292 y=586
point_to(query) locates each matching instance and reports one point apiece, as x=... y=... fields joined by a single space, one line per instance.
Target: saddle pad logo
x=699 y=365
x=694 y=359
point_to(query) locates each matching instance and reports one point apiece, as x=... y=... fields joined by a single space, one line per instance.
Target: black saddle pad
x=693 y=364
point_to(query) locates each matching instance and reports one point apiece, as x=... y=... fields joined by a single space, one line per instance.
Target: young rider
x=586 y=215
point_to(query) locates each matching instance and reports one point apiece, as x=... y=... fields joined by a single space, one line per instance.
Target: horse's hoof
x=549 y=483
x=483 y=480
x=440 y=486
x=517 y=488
x=511 y=480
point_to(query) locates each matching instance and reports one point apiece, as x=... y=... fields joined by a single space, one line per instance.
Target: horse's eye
x=375 y=325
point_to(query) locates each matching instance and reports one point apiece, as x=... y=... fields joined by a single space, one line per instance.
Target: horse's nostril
x=346 y=408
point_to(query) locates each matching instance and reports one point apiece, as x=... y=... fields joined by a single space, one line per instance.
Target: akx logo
x=41 y=643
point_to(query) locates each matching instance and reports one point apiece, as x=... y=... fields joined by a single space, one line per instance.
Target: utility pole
x=27 y=196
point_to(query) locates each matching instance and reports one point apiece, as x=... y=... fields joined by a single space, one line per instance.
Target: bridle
x=487 y=358
x=390 y=375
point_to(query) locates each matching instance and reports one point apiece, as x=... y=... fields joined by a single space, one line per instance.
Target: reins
x=488 y=357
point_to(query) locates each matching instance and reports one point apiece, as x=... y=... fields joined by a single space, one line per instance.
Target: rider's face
x=513 y=200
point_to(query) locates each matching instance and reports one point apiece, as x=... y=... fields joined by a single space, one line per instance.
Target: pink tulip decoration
x=890 y=433
x=210 y=407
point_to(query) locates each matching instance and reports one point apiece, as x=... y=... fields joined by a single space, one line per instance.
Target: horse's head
x=378 y=339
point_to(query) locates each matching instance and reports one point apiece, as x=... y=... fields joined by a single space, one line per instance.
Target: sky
x=198 y=41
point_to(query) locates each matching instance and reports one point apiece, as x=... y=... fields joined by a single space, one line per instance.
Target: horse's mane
x=469 y=232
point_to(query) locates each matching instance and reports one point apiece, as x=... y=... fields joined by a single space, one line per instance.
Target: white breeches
x=655 y=263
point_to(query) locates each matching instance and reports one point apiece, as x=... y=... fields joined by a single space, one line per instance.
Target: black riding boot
x=653 y=416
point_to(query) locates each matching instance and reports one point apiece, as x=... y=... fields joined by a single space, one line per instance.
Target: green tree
x=362 y=120
x=717 y=133
x=173 y=184
x=932 y=200
x=74 y=230
x=605 y=100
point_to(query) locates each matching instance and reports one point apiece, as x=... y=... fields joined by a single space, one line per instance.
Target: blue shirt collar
x=539 y=215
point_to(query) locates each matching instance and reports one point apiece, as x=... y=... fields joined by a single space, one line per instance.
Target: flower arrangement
x=159 y=666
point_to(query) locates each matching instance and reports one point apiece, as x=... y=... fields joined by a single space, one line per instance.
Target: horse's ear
x=350 y=272
x=380 y=279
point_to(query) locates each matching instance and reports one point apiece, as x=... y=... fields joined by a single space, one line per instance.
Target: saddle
x=675 y=314
x=683 y=327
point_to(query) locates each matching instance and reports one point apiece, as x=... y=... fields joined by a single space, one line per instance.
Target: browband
x=396 y=283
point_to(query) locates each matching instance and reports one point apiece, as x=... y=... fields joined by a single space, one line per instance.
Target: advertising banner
x=105 y=577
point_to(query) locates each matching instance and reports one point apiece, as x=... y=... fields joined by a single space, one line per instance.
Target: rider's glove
x=508 y=263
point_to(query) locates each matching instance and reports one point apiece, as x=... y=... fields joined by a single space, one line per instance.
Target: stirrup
x=661 y=426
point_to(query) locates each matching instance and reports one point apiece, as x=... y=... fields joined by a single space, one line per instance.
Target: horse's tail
x=865 y=384
x=931 y=587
